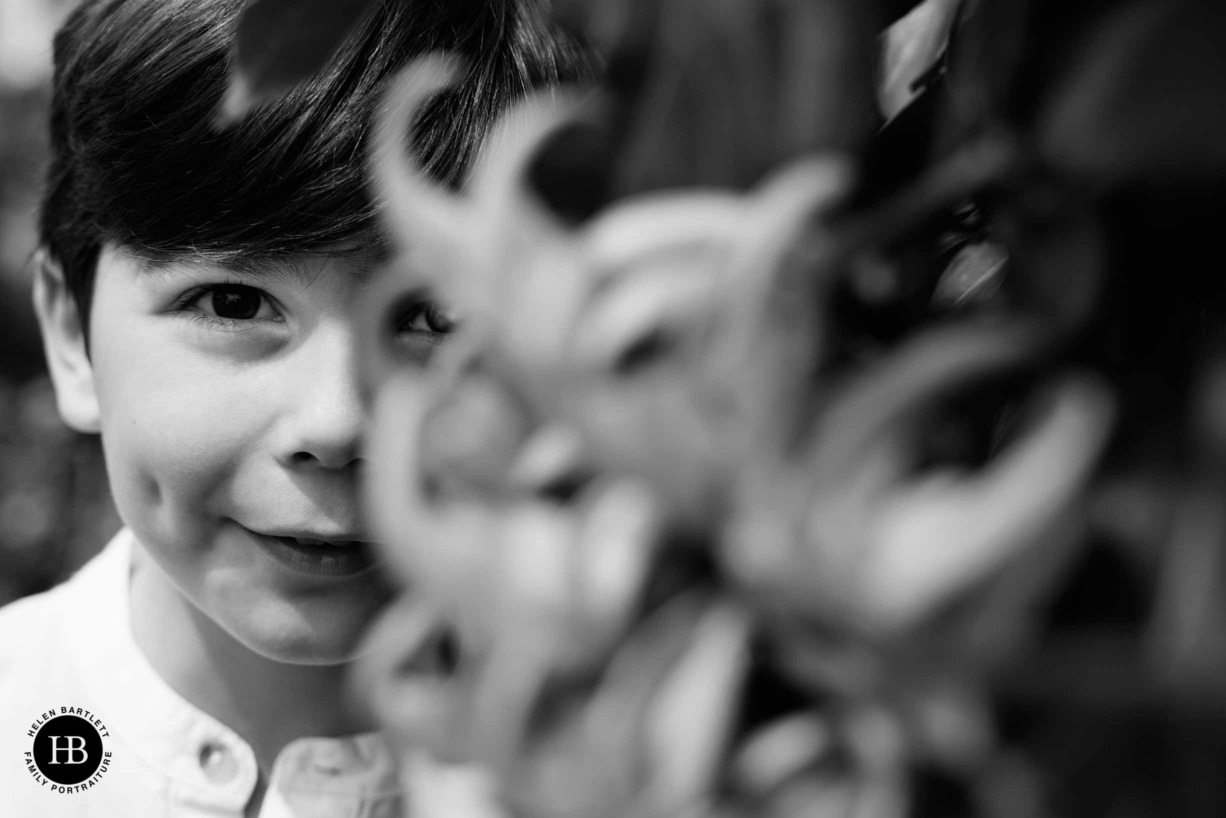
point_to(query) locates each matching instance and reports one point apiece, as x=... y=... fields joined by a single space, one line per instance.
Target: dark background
x=55 y=508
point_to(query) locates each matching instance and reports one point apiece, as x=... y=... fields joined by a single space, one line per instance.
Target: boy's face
x=231 y=412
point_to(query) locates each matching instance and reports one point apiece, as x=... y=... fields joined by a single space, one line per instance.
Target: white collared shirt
x=72 y=647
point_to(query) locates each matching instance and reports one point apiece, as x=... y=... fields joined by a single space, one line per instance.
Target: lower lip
x=336 y=561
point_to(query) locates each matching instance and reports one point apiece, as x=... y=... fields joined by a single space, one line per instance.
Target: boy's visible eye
x=236 y=302
x=418 y=325
x=422 y=315
x=232 y=303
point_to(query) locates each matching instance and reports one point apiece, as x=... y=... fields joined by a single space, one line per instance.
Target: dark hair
x=137 y=160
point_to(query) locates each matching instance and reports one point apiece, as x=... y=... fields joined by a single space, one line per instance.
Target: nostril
x=327 y=460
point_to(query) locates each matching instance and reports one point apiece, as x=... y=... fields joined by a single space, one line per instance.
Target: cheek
x=175 y=430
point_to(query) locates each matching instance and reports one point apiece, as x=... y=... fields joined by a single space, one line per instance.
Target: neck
x=268 y=703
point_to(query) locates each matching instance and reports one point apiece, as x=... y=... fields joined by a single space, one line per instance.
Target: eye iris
x=236 y=302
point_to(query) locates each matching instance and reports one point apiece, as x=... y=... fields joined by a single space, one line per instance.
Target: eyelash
x=428 y=310
x=186 y=306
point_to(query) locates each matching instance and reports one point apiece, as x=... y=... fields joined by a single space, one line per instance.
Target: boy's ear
x=64 y=343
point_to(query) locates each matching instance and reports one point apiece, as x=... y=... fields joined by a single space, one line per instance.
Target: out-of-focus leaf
x=589 y=761
x=1185 y=638
x=280 y=43
x=993 y=515
x=779 y=751
x=887 y=543
x=1148 y=98
x=692 y=719
x=645 y=383
x=974 y=273
x=910 y=48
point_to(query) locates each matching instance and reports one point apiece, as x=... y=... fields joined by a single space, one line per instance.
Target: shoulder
x=29 y=626
x=32 y=673
x=37 y=632
x=52 y=647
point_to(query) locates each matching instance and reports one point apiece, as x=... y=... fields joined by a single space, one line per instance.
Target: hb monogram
x=75 y=744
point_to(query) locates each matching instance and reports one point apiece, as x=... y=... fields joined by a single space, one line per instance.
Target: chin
x=308 y=634
x=303 y=645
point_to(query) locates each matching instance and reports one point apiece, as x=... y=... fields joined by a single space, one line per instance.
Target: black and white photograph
x=612 y=409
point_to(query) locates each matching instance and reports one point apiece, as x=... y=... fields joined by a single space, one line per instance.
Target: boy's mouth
x=334 y=543
x=318 y=557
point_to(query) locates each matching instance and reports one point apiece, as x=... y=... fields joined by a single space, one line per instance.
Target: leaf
x=911 y=46
x=281 y=43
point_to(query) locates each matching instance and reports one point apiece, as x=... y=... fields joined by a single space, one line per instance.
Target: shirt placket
x=216 y=775
x=327 y=778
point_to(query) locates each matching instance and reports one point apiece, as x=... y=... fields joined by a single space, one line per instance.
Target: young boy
x=196 y=292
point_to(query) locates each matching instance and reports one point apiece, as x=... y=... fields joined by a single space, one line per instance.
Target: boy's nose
x=327 y=412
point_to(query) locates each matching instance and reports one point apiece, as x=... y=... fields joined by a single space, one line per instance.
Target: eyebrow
x=300 y=268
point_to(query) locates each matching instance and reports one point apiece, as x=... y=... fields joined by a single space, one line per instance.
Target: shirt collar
x=206 y=762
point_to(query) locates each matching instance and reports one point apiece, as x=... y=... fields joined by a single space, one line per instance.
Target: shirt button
x=218 y=763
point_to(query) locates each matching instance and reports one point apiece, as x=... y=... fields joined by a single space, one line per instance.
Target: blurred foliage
x=55 y=508
x=792 y=466
x=55 y=505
